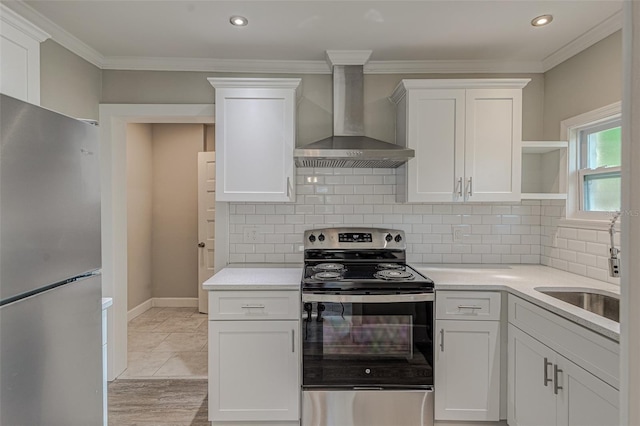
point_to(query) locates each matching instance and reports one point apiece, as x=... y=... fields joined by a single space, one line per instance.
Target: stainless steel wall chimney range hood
x=348 y=147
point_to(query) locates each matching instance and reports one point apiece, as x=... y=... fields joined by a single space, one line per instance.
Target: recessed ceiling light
x=238 y=21
x=541 y=20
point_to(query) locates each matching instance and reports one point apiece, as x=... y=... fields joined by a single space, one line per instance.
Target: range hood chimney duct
x=348 y=147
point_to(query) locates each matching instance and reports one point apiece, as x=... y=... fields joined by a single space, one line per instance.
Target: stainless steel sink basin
x=601 y=304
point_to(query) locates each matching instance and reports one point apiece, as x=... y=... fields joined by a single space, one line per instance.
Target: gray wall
x=587 y=81
x=68 y=83
x=315 y=97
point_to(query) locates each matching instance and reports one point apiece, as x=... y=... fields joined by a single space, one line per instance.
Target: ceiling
x=112 y=32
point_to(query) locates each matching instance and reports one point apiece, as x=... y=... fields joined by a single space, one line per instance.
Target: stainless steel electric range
x=367 y=331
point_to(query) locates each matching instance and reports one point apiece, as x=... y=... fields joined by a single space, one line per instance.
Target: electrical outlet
x=458 y=233
x=250 y=235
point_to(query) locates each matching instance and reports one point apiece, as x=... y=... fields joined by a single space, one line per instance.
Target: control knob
x=321 y=237
x=312 y=238
x=398 y=238
x=388 y=238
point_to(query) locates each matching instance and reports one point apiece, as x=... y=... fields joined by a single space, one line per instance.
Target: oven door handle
x=368 y=298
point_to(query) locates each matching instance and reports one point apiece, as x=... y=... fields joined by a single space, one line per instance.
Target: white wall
x=139 y=213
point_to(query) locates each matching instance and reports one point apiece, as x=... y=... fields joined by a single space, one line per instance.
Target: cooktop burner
x=393 y=274
x=390 y=266
x=327 y=275
x=337 y=267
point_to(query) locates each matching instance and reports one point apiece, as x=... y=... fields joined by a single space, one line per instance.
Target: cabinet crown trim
x=255 y=83
x=457 y=83
x=10 y=17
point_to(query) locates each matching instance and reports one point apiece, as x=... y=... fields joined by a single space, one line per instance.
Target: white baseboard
x=175 y=302
x=162 y=302
x=140 y=309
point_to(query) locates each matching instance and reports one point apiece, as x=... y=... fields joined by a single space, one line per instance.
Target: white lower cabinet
x=559 y=373
x=467 y=356
x=254 y=360
x=548 y=389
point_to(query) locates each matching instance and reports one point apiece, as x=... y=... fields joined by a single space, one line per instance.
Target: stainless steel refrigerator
x=50 y=284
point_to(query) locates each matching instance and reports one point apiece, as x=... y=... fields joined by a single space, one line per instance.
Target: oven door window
x=368 y=344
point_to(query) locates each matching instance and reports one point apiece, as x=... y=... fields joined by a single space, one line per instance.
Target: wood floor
x=158 y=402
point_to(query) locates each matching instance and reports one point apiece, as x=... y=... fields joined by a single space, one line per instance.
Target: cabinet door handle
x=442 y=340
x=556 y=372
x=254 y=306
x=469 y=307
x=459 y=187
x=293 y=340
x=470 y=187
x=288 y=186
x=546 y=373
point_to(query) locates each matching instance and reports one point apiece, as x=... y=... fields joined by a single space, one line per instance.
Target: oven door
x=367 y=342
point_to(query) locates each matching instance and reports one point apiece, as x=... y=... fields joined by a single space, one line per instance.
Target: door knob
x=201 y=245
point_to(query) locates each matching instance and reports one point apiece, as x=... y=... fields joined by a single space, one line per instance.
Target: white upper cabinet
x=467 y=136
x=20 y=58
x=255 y=138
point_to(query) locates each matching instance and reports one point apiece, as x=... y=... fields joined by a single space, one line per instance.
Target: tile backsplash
x=522 y=232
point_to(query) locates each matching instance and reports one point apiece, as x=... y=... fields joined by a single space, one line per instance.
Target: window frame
x=570 y=129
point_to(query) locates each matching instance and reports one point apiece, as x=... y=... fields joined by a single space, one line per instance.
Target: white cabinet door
x=493 y=141
x=585 y=400
x=467 y=370
x=467 y=137
x=531 y=400
x=253 y=371
x=435 y=130
x=255 y=138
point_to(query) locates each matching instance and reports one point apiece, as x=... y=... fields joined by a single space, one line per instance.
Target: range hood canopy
x=348 y=147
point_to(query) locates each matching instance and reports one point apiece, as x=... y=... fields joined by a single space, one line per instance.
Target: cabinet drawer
x=476 y=305
x=252 y=305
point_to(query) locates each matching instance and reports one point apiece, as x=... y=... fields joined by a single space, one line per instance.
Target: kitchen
x=542 y=98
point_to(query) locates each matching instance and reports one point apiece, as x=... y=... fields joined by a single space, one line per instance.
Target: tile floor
x=167 y=343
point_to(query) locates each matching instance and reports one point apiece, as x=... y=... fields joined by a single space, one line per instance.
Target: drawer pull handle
x=469 y=307
x=293 y=341
x=556 y=372
x=442 y=340
x=546 y=374
x=254 y=306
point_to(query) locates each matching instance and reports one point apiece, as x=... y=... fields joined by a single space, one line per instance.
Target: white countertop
x=234 y=278
x=522 y=281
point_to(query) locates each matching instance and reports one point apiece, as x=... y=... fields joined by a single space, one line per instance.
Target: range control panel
x=352 y=238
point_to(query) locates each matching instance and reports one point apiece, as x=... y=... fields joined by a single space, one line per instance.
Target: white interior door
x=206 y=221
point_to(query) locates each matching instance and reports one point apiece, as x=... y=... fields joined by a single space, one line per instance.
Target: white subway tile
x=274 y=219
x=597 y=249
x=577 y=268
x=354 y=180
x=471 y=258
x=344 y=209
x=531 y=220
x=363 y=171
x=441 y=248
x=441 y=229
x=274 y=238
x=353 y=199
x=384 y=189
x=389 y=180
x=334 y=199
x=294 y=219
x=341 y=171
x=452 y=219
x=535 y=248
x=265 y=209
x=239 y=218
x=520 y=249
x=293 y=258
x=500 y=209
x=245 y=248
x=432 y=258
x=501 y=249
x=334 y=180
x=530 y=239
x=489 y=238
x=236 y=258
x=356 y=219
x=586 y=259
x=323 y=171
x=521 y=210
x=363 y=189
x=587 y=235
x=530 y=258
x=559 y=264
x=569 y=256
x=461 y=248
x=574 y=245
x=333 y=219
x=422 y=248
x=305 y=189
x=510 y=258
x=402 y=209
x=314 y=199
x=284 y=229
x=510 y=239
x=274 y=258
x=373 y=219
x=597 y=274
x=521 y=229
x=471 y=219
x=442 y=209
x=264 y=248
x=432 y=218
x=255 y=219
x=322 y=209
x=383 y=209
x=432 y=238
x=511 y=219
x=363 y=208
x=374 y=180
x=491 y=219
x=412 y=218
x=324 y=189
x=373 y=199
x=452 y=258
x=343 y=189
x=502 y=229
x=461 y=209
x=481 y=209
x=422 y=209
x=285 y=209
x=392 y=218
x=490 y=258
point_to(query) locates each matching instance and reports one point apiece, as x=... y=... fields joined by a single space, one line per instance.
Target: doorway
x=114 y=119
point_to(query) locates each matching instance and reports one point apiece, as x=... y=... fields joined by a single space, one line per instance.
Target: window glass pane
x=604 y=148
x=602 y=192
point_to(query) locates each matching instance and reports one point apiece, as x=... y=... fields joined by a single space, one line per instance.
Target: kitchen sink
x=607 y=306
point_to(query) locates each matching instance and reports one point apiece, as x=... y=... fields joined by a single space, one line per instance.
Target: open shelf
x=544 y=170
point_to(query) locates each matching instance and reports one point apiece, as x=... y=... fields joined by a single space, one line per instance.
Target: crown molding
x=451 y=67
x=57 y=33
x=8 y=16
x=215 y=65
x=588 y=39
x=254 y=83
x=347 y=57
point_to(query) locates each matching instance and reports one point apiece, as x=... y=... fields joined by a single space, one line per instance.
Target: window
x=594 y=166
x=599 y=172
